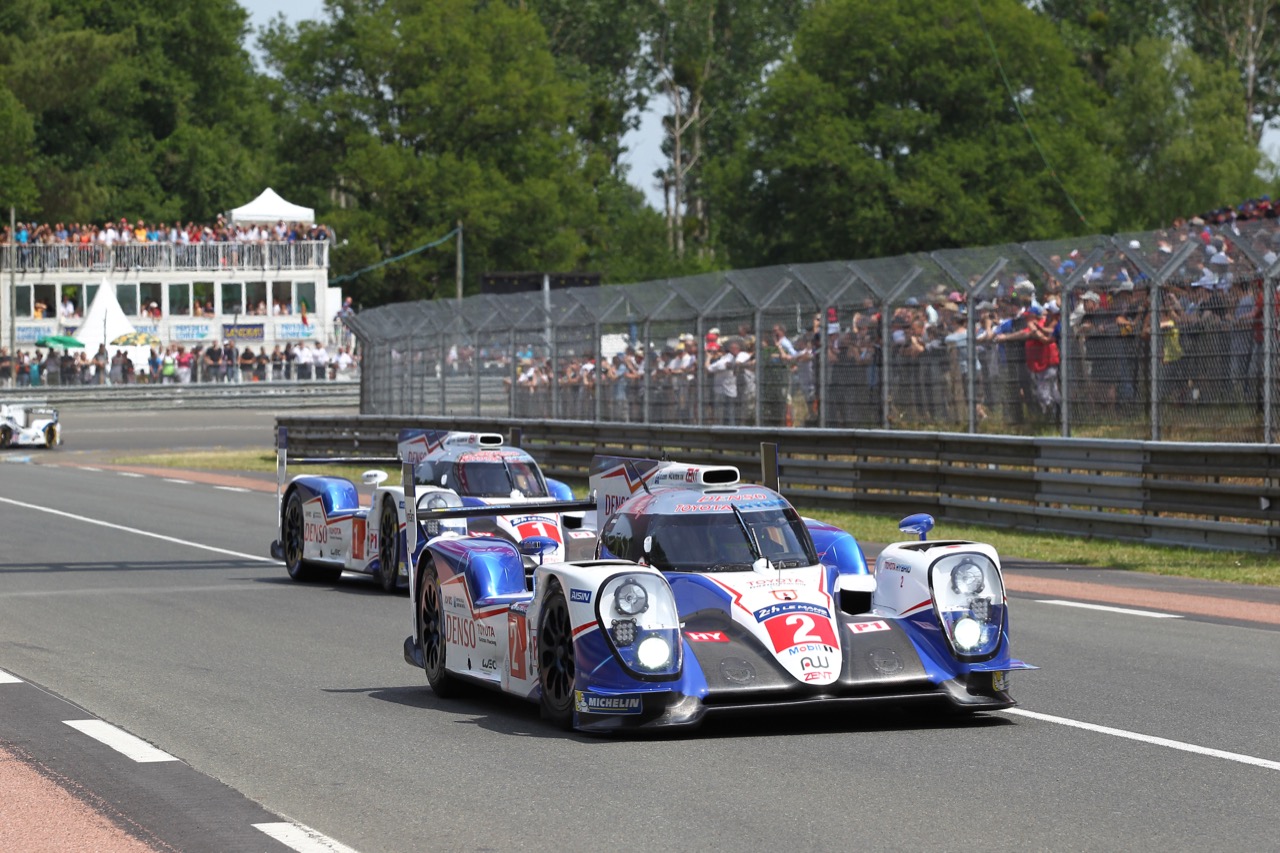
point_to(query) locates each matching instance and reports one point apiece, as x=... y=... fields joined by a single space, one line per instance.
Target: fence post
x=1268 y=350
x=1153 y=325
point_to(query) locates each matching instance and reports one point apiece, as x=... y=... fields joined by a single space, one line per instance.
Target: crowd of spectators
x=1208 y=346
x=178 y=364
x=111 y=233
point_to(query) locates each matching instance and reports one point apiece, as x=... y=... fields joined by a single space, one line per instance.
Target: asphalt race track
x=151 y=605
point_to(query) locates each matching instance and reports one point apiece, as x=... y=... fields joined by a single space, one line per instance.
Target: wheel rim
x=555 y=654
x=388 y=545
x=293 y=534
x=432 y=621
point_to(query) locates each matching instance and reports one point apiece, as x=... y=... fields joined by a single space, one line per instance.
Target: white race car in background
x=24 y=425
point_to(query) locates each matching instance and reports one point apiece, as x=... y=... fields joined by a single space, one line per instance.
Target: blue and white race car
x=324 y=529
x=29 y=426
x=710 y=597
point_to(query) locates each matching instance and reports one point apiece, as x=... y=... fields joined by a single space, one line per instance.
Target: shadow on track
x=504 y=714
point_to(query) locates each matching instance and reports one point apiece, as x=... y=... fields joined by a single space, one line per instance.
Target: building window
x=127 y=296
x=179 y=299
x=233 y=298
x=255 y=295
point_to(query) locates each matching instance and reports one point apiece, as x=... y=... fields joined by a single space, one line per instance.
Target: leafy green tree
x=409 y=117
x=1243 y=35
x=1178 y=140
x=890 y=129
x=1095 y=30
x=138 y=107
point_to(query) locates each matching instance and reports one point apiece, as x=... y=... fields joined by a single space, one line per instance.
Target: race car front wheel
x=556 y=666
x=50 y=436
x=388 y=546
x=432 y=634
x=6 y=436
x=292 y=533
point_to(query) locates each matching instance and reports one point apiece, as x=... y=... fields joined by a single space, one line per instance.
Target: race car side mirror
x=920 y=524
x=373 y=478
x=538 y=546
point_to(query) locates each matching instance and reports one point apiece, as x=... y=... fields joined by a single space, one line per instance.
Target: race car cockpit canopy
x=485 y=474
x=716 y=537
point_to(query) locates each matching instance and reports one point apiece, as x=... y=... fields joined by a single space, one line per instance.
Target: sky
x=644 y=156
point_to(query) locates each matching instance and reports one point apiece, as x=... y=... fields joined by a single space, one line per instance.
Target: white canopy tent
x=271 y=208
x=104 y=321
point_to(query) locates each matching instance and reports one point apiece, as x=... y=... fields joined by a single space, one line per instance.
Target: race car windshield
x=717 y=542
x=499 y=479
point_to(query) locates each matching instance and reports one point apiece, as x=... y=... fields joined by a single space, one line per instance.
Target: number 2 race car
x=323 y=530
x=29 y=426
x=710 y=597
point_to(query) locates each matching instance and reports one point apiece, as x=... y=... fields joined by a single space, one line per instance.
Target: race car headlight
x=654 y=653
x=966 y=578
x=631 y=599
x=969 y=599
x=638 y=611
x=967 y=633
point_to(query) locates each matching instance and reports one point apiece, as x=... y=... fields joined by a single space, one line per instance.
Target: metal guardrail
x=1218 y=496
x=274 y=395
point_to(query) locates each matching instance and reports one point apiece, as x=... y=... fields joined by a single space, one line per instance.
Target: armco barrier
x=272 y=395
x=1200 y=495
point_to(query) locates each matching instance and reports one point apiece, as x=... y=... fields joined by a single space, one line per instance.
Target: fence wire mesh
x=1162 y=334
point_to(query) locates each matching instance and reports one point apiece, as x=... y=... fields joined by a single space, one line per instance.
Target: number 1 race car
x=709 y=597
x=29 y=426
x=323 y=530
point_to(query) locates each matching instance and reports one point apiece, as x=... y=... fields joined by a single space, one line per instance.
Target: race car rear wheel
x=6 y=436
x=388 y=546
x=50 y=436
x=556 y=664
x=292 y=531
x=431 y=632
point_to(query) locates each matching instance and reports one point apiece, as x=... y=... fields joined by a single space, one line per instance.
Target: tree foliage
x=891 y=130
x=135 y=107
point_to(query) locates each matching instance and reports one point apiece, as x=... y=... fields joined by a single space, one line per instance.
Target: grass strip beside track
x=1230 y=566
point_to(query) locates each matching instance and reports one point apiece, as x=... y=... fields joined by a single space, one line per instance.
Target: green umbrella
x=136 y=339
x=63 y=341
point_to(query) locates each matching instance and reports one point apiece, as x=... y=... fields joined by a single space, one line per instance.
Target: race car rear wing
x=412 y=527
x=282 y=468
x=614 y=479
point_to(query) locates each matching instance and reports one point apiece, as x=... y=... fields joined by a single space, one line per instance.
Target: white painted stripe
x=1125 y=610
x=132 y=590
x=130 y=474
x=179 y=482
x=230 y=489
x=1156 y=741
x=6 y=678
x=120 y=740
x=87 y=468
x=138 y=532
x=302 y=838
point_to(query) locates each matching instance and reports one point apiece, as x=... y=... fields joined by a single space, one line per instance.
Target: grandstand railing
x=165 y=257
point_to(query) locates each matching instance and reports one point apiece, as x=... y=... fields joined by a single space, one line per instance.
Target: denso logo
x=611 y=503
x=582 y=595
x=316 y=533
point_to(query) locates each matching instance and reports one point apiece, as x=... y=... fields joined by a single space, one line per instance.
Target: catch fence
x=1162 y=335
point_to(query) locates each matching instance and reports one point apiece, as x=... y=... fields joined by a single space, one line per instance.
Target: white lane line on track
x=6 y=678
x=88 y=468
x=230 y=489
x=138 y=532
x=1125 y=610
x=179 y=482
x=129 y=474
x=131 y=590
x=304 y=839
x=120 y=740
x=1151 y=739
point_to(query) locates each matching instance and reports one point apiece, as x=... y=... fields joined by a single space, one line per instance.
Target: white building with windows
x=256 y=291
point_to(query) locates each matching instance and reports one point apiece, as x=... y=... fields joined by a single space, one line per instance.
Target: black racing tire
x=557 y=667
x=432 y=633
x=6 y=436
x=51 y=436
x=291 y=535
x=388 y=546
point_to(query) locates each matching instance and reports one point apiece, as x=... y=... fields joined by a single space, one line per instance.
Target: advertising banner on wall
x=244 y=331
